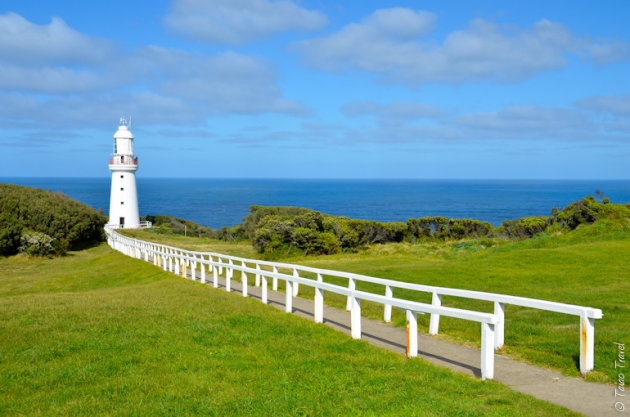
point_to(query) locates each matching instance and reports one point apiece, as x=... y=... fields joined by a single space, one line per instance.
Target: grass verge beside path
x=589 y=266
x=99 y=333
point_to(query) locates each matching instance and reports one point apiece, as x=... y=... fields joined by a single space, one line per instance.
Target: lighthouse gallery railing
x=492 y=325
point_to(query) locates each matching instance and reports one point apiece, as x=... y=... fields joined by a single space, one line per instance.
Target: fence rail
x=492 y=325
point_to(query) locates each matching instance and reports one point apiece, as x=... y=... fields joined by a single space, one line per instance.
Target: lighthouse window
x=122 y=189
x=115 y=147
x=122 y=202
x=122 y=176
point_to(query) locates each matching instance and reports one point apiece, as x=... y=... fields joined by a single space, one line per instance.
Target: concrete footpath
x=575 y=394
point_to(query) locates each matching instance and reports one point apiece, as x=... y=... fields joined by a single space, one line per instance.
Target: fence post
x=434 y=322
x=296 y=286
x=202 y=267
x=220 y=266
x=274 y=280
x=229 y=270
x=351 y=286
x=193 y=267
x=177 y=262
x=215 y=276
x=499 y=328
x=288 y=297
x=318 y=315
x=587 y=343
x=355 y=317
x=412 y=334
x=264 y=289
x=244 y=280
x=170 y=262
x=487 y=351
x=387 y=314
x=228 y=278
x=257 y=283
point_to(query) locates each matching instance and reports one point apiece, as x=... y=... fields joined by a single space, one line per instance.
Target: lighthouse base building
x=123 y=202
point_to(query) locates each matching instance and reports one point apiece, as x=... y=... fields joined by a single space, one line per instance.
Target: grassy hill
x=99 y=333
x=588 y=266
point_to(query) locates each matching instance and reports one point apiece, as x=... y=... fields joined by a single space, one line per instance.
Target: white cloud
x=482 y=52
x=525 y=119
x=615 y=105
x=54 y=79
x=421 y=123
x=397 y=111
x=24 y=42
x=157 y=84
x=239 y=21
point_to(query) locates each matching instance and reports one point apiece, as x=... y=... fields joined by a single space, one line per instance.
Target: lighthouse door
x=122 y=222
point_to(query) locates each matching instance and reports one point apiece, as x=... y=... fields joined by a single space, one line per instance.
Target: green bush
x=524 y=227
x=69 y=223
x=10 y=232
x=36 y=244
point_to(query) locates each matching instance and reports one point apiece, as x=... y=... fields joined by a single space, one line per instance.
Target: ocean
x=224 y=202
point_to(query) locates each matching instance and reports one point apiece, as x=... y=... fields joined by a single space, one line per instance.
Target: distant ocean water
x=224 y=202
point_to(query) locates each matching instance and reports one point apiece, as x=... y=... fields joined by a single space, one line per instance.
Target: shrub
x=10 y=231
x=69 y=223
x=587 y=210
x=36 y=244
x=524 y=227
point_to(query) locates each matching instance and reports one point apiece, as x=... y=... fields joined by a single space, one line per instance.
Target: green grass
x=589 y=266
x=99 y=333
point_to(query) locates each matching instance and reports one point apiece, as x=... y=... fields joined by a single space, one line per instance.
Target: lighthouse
x=123 y=199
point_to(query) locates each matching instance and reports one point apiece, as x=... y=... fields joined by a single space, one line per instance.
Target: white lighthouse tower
x=123 y=202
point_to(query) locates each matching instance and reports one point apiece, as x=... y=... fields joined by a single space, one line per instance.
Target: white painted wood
x=487 y=351
x=587 y=344
x=351 y=287
x=412 y=334
x=434 y=322
x=244 y=282
x=215 y=277
x=263 y=297
x=288 y=298
x=193 y=267
x=202 y=268
x=257 y=283
x=295 y=284
x=318 y=314
x=387 y=314
x=274 y=280
x=499 y=328
x=355 y=318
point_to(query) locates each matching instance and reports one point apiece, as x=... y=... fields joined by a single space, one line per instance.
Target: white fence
x=492 y=325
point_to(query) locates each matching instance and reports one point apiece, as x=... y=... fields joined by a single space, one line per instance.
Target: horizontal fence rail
x=492 y=325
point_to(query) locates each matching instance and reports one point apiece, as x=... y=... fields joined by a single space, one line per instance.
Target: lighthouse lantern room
x=123 y=202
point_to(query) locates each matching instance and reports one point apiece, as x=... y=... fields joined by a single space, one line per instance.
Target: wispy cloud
x=55 y=43
x=157 y=85
x=485 y=51
x=239 y=21
x=616 y=105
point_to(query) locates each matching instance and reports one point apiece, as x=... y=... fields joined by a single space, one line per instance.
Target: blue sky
x=313 y=89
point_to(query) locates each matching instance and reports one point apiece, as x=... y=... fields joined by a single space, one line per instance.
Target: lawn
x=99 y=333
x=589 y=266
